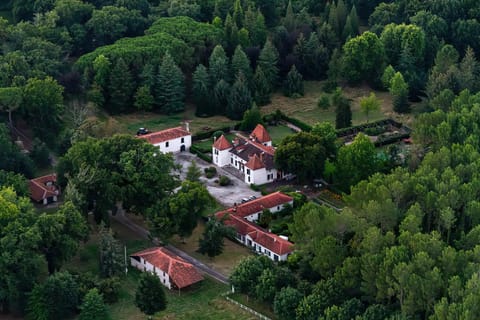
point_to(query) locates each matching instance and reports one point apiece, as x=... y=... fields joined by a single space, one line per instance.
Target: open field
x=224 y=263
x=129 y=123
x=306 y=109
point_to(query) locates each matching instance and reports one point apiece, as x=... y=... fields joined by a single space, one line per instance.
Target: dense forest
x=405 y=247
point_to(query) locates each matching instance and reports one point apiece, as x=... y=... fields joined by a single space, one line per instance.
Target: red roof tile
x=261 y=134
x=181 y=273
x=254 y=163
x=271 y=241
x=165 y=135
x=39 y=189
x=267 y=202
x=222 y=143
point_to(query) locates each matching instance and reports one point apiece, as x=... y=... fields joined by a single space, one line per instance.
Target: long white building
x=170 y=140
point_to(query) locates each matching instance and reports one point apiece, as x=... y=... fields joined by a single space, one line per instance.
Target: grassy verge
x=259 y=306
x=207 y=143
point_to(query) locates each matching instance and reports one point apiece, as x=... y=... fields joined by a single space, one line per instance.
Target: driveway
x=227 y=195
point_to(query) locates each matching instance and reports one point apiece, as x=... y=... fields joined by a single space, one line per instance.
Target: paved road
x=142 y=232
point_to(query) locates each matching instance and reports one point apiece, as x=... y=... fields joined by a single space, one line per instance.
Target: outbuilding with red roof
x=173 y=271
x=242 y=218
x=44 y=189
x=172 y=140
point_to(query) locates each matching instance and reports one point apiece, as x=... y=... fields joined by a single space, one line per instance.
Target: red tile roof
x=165 y=135
x=181 y=273
x=261 y=134
x=39 y=189
x=254 y=163
x=271 y=241
x=222 y=143
x=267 y=202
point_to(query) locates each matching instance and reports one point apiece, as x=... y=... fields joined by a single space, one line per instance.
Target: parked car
x=252 y=198
x=142 y=131
x=245 y=200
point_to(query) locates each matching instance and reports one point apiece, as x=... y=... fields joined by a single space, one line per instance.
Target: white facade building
x=242 y=218
x=170 y=140
x=253 y=156
x=173 y=271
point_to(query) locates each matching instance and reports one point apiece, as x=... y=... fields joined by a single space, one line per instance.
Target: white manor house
x=252 y=156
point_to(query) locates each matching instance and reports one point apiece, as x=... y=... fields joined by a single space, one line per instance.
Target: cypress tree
x=218 y=65
x=240 y=98
x=202 y=91
x=144 y=99
x=244 y=38
x=399 y=91
x=300 y=53
x=120 y=87
x=289 y=21
x=259 y=33
x=251 y=118
x=343 y=111
x=316 y=58
x=93 y=307
x=241 y=63
x=268 y=60
x=148 y=76
x=293 y=84
x=238 y=15
x=221 y=92
x=170 y=87
x=262 y=88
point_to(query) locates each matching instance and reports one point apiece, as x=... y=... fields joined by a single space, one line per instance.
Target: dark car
x=142 y=131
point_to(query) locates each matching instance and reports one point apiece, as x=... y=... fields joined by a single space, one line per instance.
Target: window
x=231 y=160
x=275 y=257
x=248 y=171
x=166 y=144
x=216 y=151
x=182 y=140
x=249 y=179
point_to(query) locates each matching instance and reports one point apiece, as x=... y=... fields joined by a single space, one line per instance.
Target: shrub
x=323 y=102
x=110 y=289
x=224 y=181
x=217 y=134
x=210 y=172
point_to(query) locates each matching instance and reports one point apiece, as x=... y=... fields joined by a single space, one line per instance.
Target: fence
x=244 y=307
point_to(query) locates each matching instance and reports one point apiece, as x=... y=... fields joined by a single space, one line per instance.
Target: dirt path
x=142 y=232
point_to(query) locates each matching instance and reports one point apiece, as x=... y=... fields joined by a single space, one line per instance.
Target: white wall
x=146 y=266
x=175 y=145
x=259 y=249
x=221 y=157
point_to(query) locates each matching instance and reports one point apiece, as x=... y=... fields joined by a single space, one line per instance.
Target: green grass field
x=277 y=133
x=305 y=108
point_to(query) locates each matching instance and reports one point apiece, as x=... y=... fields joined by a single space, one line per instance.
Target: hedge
x=302 y=125
x=209 y=134
x=195 y=150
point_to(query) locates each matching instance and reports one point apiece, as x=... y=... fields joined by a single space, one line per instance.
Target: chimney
x=187 y=126
x=261 y=156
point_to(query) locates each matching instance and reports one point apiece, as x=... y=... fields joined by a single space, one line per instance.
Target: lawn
x=232 y=254
x=202 y=302
x=306 y=109
x=129 y=123
x=277 y=133
x=254 y=304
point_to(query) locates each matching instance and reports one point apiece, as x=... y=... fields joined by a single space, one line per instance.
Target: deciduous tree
x=150 y=295
x=93 y=307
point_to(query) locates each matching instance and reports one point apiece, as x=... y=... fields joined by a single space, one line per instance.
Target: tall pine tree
x=240 y=98
x=268 y=60
x=218 y=67
x=170 y=88
x=241 y=63
x=221 y=93
x=121 y=87
x=262 y=88
x=293 y=84
x=202 y=91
